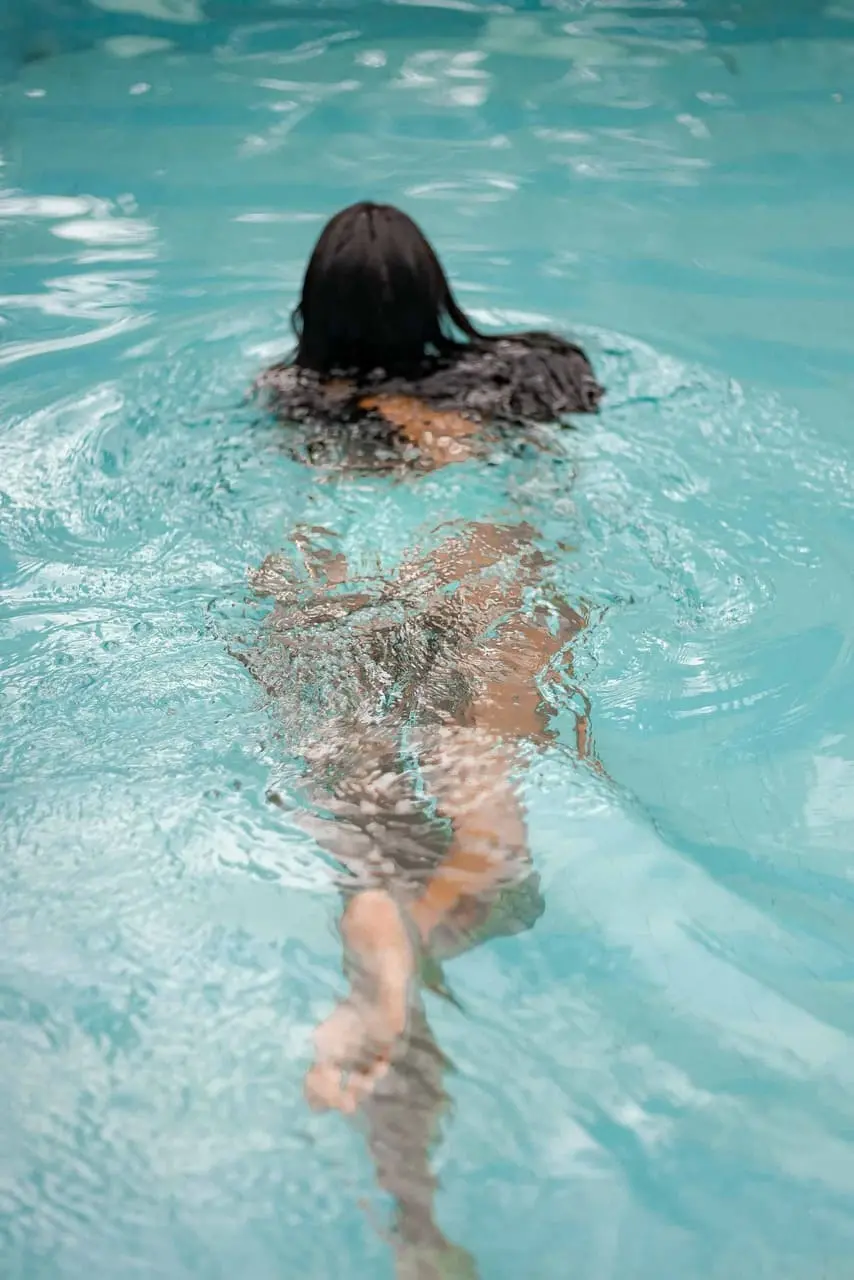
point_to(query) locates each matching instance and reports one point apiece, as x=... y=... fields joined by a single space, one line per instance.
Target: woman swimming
x=411 y=695
x=386 y=356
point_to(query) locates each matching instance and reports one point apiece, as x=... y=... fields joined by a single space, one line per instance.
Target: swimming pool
x=658 y=1078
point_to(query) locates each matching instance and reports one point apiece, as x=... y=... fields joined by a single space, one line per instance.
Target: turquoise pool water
x=656 y=1080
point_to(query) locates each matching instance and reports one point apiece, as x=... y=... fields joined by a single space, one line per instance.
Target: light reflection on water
x=655 y=1079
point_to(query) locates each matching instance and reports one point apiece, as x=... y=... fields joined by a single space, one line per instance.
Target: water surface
x=657 y=1079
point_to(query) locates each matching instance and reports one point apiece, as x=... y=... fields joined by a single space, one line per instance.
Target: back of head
x=374 y=296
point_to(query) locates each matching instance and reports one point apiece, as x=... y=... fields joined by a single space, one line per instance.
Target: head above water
x=375 y=296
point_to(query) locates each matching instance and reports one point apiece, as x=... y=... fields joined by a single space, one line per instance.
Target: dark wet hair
x=377 y=311
x=375 y=297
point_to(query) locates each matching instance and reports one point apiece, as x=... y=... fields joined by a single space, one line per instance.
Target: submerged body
x=412 y=698
x=413 y=701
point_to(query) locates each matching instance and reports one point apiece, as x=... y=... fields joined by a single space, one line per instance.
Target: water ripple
x=657 y=1079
